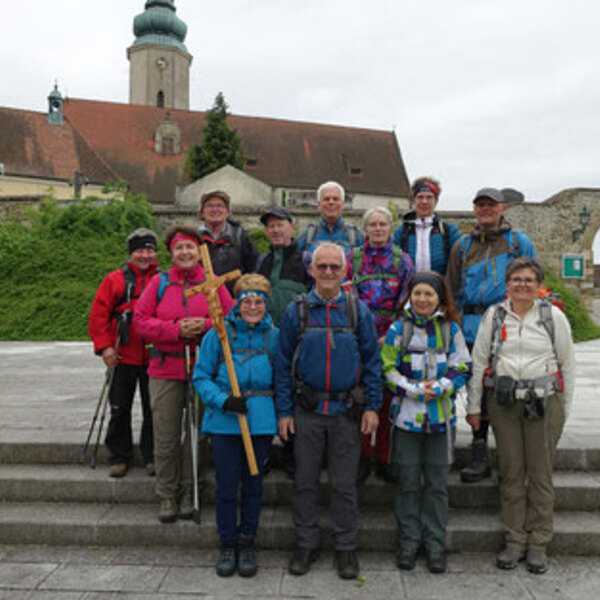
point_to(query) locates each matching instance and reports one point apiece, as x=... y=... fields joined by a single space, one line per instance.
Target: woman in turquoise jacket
x=253 y=340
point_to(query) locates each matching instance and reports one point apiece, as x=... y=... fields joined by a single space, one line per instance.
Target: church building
x=86 y=143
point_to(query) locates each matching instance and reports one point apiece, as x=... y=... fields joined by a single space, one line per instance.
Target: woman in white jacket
x=524 y=360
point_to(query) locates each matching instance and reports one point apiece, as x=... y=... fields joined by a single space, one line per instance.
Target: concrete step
x=136 y=524
x=575 y=491
x=570 y=457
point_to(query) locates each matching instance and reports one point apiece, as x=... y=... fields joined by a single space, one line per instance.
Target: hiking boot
x=301 y=561
x=150 y=470
x=406 y=558
x=509 y=557
x=479 y=469
x=364 y=469
x=385 y=472
x=167 y=512
x=118 y=470
x=347 y=564
x=186 y=506
x=537 y=561
x=247 y=565
x=436 y=561
x=227 y=562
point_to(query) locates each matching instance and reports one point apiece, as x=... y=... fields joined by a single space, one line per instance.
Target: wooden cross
x=209 y=289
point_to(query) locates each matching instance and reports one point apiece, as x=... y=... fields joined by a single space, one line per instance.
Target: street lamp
x=584 y=219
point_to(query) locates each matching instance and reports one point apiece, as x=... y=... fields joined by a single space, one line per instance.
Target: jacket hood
x=411 y=217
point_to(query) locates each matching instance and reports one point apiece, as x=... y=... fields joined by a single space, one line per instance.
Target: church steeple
x=159 y=60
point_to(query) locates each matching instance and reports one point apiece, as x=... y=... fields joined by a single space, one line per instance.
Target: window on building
x=160 y=99
x=252 y=163
x=356 y=172
x=168 y=146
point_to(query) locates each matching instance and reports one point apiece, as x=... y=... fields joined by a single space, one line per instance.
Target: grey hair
x=377 y=209
x=331 y=184
x=525 y=262
x=331 y=246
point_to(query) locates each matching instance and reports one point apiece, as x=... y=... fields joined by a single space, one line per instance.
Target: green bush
x=52 y=265
x=582 y=326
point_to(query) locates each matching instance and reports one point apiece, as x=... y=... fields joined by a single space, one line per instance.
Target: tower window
x=160 y=99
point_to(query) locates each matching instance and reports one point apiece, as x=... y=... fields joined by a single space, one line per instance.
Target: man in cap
x=331 y=227
x=327 y=348
x=283 y=265
x=229 y=244
x=476 y=271
x=123 y=350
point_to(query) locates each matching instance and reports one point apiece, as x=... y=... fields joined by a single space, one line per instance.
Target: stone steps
x=136 y=525
x=568 y=458
x=575 y=491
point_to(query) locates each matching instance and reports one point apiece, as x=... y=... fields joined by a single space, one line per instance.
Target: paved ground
x=48 y=393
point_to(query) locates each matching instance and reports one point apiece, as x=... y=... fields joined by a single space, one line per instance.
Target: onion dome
x=159 y=25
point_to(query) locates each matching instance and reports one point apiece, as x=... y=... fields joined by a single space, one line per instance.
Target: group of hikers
x=345 y=344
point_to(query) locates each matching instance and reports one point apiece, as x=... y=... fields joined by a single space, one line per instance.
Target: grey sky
x=479 y=92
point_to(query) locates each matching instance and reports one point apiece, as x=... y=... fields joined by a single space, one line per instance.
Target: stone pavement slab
x=48 y=573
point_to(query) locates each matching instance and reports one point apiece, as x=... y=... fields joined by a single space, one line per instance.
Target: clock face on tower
x=161 y=63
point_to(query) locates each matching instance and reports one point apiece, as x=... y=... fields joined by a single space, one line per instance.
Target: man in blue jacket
x=476 y=276
x=331 y=227
x=327 y=347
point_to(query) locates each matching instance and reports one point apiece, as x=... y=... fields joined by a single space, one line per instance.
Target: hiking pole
x=209 y=289
x=103 y=394
x=102 y=403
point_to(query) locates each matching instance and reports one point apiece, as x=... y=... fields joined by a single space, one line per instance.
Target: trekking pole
x=193 y=422
x=105 y=387
x=100 y=409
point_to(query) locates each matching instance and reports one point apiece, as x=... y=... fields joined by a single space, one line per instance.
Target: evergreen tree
x=220 y=145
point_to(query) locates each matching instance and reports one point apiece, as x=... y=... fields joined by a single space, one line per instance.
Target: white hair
x=331 y=184
x=382 y=210
x=328 y=246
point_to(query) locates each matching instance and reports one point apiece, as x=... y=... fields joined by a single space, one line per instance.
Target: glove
x=235 y=404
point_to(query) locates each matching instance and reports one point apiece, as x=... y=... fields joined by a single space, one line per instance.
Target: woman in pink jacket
x=170 y=321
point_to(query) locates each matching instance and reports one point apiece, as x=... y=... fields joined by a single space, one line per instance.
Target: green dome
x=159 y=24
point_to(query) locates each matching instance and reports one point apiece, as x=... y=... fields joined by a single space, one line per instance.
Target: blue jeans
x=231 y=470
x=421 y=460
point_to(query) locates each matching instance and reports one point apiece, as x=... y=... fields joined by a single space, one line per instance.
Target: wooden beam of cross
x=209 y=289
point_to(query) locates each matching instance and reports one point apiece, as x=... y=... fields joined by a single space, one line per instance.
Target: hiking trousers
x=421 y=501
x=119 y=437
x=172 y=456
x=340 y=437
x=526 y=450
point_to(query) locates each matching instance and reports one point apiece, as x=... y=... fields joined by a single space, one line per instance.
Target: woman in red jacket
x=170 y=321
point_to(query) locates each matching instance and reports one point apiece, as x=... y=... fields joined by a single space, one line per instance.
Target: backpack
x=357 y=260
x=499 y=331
x=408 y=229
x=303 y=311
x=350 y=233
x=407 y=333
x=464 y=245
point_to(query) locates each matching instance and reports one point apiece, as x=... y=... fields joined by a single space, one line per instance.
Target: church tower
x=159 y=62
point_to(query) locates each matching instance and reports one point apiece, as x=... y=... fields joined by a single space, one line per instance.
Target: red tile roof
x=289 y=154
x=108 y=141
x=30 y=146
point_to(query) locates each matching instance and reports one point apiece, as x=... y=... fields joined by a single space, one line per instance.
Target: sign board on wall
x=573 y=266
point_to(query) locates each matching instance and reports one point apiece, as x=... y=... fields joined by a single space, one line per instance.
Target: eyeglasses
x=334 y=268
x=215 y=205
x=528 y=281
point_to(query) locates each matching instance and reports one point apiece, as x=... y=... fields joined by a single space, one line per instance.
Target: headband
x=253 y=294
x=427 y=186
x=142 y=241
x=432 y=279
x=183 y=236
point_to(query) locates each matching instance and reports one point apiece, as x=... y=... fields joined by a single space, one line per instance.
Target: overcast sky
x=479 y=92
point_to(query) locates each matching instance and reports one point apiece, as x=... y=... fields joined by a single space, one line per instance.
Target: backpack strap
x=464 y=244
x=351 y=234
x=547 y=320
x=129 y=289
x=311 y=231
x=408 y=229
